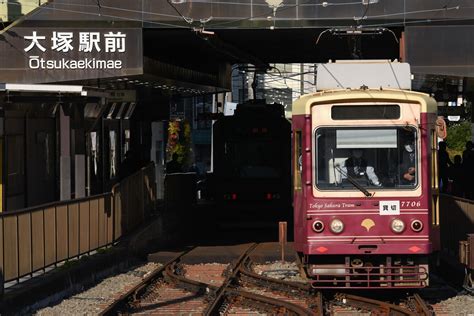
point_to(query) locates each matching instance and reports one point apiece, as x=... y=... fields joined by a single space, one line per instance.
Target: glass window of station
x=371 y=157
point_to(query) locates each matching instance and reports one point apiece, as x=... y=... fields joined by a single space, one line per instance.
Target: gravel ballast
x=96 y=298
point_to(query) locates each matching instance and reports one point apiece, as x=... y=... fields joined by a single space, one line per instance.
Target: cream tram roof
x=303 y=104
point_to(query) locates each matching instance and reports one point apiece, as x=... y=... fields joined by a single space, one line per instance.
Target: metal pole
x=282 y=237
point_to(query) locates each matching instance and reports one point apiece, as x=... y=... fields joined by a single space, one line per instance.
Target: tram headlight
x=318 y=226
x=397 y=226
x=416 y=225
x=337 y=226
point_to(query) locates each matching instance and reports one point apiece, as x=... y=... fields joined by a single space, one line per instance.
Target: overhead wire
x=333 y=76
x=374 y=16
x=52 y=7
x=46 y=7
x=284 y=8
x=186 y=19
x=113 y=8
x=290 y=77
x=404 y=13
x=413 y=12
x=365 y=12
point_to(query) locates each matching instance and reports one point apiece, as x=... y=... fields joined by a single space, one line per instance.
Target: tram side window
x=379 y=158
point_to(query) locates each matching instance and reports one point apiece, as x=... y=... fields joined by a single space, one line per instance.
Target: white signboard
x=389 y=208
x=229 y=108
x=354 y=74
x=366 y=138
x=72 y=42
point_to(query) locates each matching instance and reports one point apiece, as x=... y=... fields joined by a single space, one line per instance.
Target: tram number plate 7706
x=389 y=208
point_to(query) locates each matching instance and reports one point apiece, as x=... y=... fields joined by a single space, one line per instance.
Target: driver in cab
x=356 y=167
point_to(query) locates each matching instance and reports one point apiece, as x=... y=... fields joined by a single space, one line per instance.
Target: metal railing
x=39 y=237
x=457 y=220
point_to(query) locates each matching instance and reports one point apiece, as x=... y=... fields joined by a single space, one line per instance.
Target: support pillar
x=472 y=122
x=65 y=156
x=79 y=151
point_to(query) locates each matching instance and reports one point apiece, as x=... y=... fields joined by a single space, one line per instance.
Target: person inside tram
x=408 y=160
x=357 y=168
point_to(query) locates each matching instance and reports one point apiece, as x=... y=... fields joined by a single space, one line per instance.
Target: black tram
x=251 y=159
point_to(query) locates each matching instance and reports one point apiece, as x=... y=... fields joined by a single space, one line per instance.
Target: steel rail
x=213 y=307
x=168 y=271
x=185 y=283
x=420 y=306
x=252 y=299
x=294 y=286
x=373 y=305
x=132 y=294
x=221 y=294
x=288 y=308
x=282 y=285
x=204 y=288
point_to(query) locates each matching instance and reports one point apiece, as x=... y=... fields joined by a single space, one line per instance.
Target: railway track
x=138 y=290
x=234 y=288
x=252 y=294
x=415 y=305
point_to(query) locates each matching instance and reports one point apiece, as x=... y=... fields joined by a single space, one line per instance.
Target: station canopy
x=188 y=46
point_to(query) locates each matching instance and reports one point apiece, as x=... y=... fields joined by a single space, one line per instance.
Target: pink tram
x=365 y=187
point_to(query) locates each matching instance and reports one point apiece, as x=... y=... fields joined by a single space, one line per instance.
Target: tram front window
x=375 y=158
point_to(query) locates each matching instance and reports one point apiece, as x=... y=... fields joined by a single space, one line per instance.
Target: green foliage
x=179 y=141
x=458 y=134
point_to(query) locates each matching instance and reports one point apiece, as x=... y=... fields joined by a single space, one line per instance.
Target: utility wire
x=443 y=9
x=276 y=78
x=113 y=8
x=420 y=21
x=333 y=76
x=404 y=13
x=271 y=13
x=186 y=19
x=46 y=7
x=359 y=21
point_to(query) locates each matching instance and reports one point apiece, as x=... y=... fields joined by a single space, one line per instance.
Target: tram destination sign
x=55 y=54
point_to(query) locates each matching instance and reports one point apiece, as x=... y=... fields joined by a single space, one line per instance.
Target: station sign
x=83 y=41
x=43 y=54
x=122 y=95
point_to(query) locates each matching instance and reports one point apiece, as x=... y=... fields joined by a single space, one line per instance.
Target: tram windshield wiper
x=353 y=181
